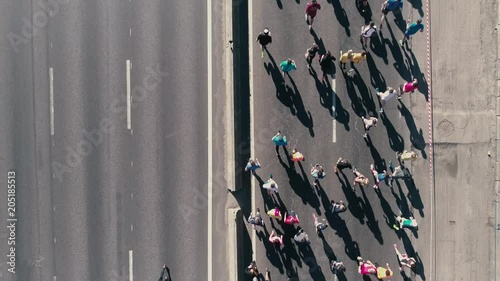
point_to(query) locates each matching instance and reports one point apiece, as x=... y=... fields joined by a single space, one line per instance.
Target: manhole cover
x=445 y=128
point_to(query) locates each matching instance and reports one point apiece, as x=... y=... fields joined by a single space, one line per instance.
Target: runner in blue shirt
x=287 y=66
x=412 y=29
x=390 y=6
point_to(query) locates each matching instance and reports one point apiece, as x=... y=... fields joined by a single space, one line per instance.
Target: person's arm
x=387 y=264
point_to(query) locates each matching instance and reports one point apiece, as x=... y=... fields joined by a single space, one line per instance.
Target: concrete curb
x=234 y=254
x=229 y=148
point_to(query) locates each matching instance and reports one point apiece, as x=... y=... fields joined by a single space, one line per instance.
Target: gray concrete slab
x=464 y=91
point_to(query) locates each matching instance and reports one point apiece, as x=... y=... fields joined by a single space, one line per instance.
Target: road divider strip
x=131 y=265
x=235 y=236
x=129 y=98
x=51 y=98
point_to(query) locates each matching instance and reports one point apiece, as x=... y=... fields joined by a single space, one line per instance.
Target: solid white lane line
x=209 y=167
x=252 y=131
x=334 y=133
x=131 y=265
x=51 y=93
x=334 y=101
x=129 y=109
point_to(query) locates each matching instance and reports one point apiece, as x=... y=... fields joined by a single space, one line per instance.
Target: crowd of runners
x=317 y=171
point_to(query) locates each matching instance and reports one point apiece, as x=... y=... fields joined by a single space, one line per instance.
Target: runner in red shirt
x=408 y=87
x=311 y=10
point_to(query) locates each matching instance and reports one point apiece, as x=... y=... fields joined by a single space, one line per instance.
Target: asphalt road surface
x=302 y=109
x=109 y=195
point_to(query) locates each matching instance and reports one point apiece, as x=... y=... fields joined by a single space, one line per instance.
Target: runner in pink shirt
x=311 y=10
x=408 y=87
x=292 y=218
x=366 y=267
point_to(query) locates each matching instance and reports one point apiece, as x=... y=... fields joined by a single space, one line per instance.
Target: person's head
x=391 y=90
x=419 y=21
x=315 y=46
x=294 y=151
x=289 y=61
x=387 y=272
x=415 y=83
x=412 y=263
x=252 y=162
x=341 y=202
x=375 y=121
x=414 y=155
x=328 y=54
x=266 y=31
x=363 y=53
x=372 y=24
x=273 y=185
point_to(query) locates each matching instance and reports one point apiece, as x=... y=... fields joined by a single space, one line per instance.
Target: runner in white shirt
x=367 y=32
x=385 y=97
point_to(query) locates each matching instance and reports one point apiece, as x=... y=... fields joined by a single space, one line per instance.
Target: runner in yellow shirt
x=345 y=58
x=384 y=273
x=358 y=57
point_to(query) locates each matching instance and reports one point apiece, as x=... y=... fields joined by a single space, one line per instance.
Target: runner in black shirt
x=310 y=54
x=264 y=38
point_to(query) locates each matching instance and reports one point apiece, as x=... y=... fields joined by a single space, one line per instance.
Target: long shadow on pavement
x=309 y=258
x=414 y=196
x=305 y=118
x=289 y=97
x=417 y=5
x=356 y=101
x=365 y=93
x=377 y=80
x=319 y=41
x=272 y=251
x=354 y=203
x=301 y=186
x=399 y=61
x=423 y=86
x=416 y=135
x=378 y=48
x=371 y=221
x=396 y=141
x=341 y=16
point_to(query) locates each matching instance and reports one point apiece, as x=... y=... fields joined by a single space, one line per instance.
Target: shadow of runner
x=354 y=204
x=416 y=135
x=341 y=16
x=301 y=186
x=423 y=87
x=377 y=80
x=356 y=101
x=365 y=94
x=305 y=118
x=396 y=141
x=272 y=251
x=319 y=42
x=414 y=196
x=399 y=64
x=371 y=221
x=378 y=48
x=417 y=5
x=389 y=215
x=307 y=254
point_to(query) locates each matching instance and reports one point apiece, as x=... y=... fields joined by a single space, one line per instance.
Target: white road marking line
x=131 y=196
x=129 y=109
x=51 y=45
x=55 y=241
x=55 y=278
x=54 y=208
x=252 y=131
x=131 y=265
x=334 y=133
x=334 y=100
x=210 y=176
x=132 y=227
x=130 y=32
x=131 y=131
x=131 y=163
x=54 y=176
x=51 y=93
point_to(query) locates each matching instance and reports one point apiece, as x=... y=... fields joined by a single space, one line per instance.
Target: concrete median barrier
x=234 y=243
